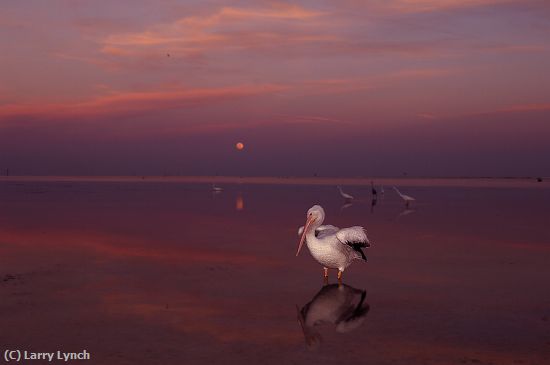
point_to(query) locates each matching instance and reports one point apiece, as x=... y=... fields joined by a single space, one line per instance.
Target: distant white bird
x=340 y=305
x=347 y=197
x=382 y=190
x=332 y=247
x=216 y=189
x=406 y=198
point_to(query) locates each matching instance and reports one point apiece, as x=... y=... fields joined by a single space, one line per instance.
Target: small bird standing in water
x=346 y=196
x=406 y=198
x=332 y=247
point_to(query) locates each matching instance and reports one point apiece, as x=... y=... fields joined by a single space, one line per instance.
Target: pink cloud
x=116 y=104
x=314 y=119
x=123 y=103
x=196 y=33
x=525 y=108
x=417 y=6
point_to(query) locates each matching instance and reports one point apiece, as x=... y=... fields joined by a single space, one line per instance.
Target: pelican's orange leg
x=339 y=276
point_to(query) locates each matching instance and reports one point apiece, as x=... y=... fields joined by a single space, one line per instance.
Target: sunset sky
x=337 y=88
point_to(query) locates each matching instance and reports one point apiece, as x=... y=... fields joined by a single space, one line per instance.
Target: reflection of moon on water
x=239 y=202
x=340 y=305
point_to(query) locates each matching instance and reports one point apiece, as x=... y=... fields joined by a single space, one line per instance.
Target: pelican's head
x=317 y=213
x=314 y=218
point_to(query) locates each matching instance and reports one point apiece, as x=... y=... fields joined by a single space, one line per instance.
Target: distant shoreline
x=357 y=181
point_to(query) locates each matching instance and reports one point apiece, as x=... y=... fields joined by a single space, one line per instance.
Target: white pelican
x=346 y=196
x=406 y=198
x=332 y=247
x=340 y=305
x=216 y=189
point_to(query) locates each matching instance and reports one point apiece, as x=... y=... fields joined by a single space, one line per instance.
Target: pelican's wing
x=355 y=237
x=321 y=231
x=326 y=230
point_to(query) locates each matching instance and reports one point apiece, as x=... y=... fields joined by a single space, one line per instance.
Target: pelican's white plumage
x=332 y=247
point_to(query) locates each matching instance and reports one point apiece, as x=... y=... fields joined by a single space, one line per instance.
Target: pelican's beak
x=310 y=219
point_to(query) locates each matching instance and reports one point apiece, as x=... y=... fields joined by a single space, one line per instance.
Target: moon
x=239 y=146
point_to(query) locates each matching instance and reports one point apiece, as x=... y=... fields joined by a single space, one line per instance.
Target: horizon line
x=295 y=180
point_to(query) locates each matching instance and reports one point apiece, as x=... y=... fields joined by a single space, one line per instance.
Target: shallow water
x=170 y=273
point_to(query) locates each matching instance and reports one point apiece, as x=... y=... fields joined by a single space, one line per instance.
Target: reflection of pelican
x=346 y=196
x=333 y=248
x=346 y=205
x=372 y=204
x=407 y=211
x=407 y=199
x=340 y=305
x=216 y=189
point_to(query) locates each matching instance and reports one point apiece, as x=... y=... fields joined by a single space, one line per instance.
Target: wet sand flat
x=171 y=273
